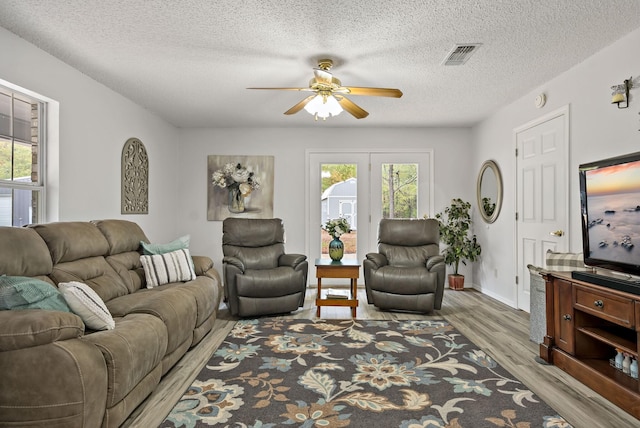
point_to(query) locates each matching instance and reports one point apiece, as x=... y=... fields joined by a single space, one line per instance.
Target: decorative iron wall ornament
x=135 y=178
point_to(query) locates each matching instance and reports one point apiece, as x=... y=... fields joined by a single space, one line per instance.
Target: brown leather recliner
x=259 y=278
x=407 y=273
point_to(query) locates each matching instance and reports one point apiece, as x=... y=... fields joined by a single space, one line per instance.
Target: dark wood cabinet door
x=565 y=335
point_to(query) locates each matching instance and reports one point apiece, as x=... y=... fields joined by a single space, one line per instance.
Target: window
x=21 y=158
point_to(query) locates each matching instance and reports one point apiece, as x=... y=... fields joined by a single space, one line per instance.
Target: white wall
x=598 y=130
x=288 y=148
x=95 y=122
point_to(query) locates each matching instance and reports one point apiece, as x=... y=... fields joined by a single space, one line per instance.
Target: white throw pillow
x=86 y=303
x=164 y=268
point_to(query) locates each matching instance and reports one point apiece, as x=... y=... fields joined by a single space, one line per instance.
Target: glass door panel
x=401 y=187
x=399 y=190
x=339 y=199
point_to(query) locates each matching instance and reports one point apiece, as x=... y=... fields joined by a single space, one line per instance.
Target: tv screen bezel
x=612 y=265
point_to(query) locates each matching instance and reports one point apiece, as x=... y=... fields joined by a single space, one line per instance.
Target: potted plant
x=455 y=223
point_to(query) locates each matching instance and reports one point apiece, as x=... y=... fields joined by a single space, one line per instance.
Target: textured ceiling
x=190 y=61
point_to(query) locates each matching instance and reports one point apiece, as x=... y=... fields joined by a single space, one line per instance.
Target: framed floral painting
x=239 y=186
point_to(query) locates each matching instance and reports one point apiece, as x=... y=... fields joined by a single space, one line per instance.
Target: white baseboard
x=499 y=298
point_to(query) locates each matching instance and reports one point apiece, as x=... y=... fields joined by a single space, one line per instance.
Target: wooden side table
x=348 y=269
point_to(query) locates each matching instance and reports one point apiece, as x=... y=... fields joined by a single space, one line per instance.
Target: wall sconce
x=620 y=93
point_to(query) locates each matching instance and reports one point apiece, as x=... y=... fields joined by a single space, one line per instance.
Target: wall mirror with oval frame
x=489 y=191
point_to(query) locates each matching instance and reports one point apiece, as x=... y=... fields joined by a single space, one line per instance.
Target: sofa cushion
x=21 y=292
x=132 y=350
x=86 y=303
x=69 y=241
x=170 y=303
x=206 y=296
x=23 y=252
x=129 y=269
x=165 y=268
x=96 y=272
x=122 y=235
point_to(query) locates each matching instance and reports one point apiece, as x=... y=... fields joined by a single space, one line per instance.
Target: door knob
x=567 y=317
x=558 y=232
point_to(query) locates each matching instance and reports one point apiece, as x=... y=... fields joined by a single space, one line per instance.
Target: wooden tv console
x=585 y=324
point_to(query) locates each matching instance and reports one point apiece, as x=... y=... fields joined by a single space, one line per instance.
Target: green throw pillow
x=21 y=292
x=181 y=243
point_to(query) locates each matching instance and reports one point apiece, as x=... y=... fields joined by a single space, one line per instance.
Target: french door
x=364 y=187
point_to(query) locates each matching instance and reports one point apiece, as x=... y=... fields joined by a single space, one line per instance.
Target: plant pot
x=456 y=282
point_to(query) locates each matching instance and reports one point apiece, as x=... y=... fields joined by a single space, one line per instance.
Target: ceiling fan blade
x=286 y=89
x=375 y=92
x=296 y=108
x=351 y=107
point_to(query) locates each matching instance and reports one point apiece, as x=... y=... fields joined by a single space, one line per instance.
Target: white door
x=542 y=194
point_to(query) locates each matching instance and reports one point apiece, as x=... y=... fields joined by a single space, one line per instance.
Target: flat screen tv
x=610 y=211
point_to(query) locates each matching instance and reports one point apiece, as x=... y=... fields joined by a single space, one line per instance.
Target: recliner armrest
x=292 y=260
x=433 y=261
x=234 y=261
x=378 y=259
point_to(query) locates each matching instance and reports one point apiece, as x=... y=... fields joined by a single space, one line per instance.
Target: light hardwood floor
x=497 y=329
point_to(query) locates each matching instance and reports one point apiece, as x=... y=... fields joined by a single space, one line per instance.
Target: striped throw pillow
x=164 y=268
x=86 y=303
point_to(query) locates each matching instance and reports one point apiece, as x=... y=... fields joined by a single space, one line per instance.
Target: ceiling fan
x=328 y=98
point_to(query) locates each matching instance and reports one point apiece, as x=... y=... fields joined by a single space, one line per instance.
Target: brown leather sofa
x=55 y=372
x=259 y=277
x=407 y=273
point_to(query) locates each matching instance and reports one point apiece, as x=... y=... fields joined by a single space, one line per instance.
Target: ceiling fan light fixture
x=323 y=106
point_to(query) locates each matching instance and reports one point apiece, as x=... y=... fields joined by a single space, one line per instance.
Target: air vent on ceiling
x=461 y=53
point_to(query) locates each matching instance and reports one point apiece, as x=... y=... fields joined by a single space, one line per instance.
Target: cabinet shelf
x=618 y=376
x=613 y=338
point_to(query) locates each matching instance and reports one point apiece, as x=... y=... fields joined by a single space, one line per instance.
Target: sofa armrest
x=34 y=327
x=292 y=260
x=234 y=261
x=202 y=264
x=378 y=259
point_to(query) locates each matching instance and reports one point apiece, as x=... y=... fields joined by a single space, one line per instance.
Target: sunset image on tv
x=613 y=212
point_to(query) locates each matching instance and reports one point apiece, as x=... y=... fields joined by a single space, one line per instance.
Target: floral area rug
x=335 y=373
